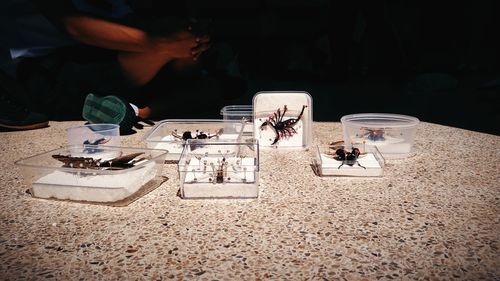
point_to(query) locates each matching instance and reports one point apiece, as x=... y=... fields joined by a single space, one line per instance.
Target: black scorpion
x=282 y=128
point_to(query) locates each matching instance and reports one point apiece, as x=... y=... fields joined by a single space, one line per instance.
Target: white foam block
x=332 y=167
x=93 y=187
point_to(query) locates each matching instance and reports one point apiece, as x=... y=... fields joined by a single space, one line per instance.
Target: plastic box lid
x=393 y=134
x=237 y=111
x=161 y=136
x=385 y=120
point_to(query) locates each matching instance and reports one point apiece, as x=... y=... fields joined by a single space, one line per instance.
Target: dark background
x=436 y=60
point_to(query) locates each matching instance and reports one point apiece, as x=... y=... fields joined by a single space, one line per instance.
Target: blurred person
x=54 y=53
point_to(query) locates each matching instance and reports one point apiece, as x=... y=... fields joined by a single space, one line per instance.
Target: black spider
x=282 y=128
x=197 y=138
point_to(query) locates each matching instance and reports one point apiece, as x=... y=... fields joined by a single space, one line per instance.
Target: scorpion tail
x=301 y=112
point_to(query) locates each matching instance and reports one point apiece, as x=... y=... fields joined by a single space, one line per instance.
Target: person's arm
x=141 y=67
x=140 y=55
x=106 y=34
x=114 y=36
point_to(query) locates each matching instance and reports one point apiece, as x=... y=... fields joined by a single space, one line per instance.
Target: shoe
x=13 y=115
x=111 y=110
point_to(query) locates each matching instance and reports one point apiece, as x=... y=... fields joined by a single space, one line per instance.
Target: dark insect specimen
x=348 y=157
x=123 y=162
x=118 y=163
x=219 y=177
x=220 y=171
x=96 y=142
x=337 y=144
x=373 y=134
x=198 y=136
x=187 y=135
x=282 y=128
x=77 y=162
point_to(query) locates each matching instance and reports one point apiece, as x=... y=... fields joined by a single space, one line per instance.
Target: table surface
x=433 y=216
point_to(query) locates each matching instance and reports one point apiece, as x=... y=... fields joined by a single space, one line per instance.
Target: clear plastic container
x=171 y=134
x=239 y=113
x=94 y=134
x=393 y=134
x=221 y=169
x=283 y=119
x=370 y=162
x=47 y=178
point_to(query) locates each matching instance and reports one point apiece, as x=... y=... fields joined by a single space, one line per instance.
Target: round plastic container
x=393 y=134
x=94 y=134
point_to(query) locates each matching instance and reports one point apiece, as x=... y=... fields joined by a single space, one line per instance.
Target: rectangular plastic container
x=221 y=169
x=370 y=163
x=171 y=134
x=283 y=119
x=239 y=113
x=47 y=178
x=393 y=134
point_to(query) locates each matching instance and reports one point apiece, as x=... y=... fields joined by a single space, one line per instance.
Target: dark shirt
x=32 y=28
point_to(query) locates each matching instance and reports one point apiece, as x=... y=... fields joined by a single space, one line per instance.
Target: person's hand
x=182 y=45
x=203 y=45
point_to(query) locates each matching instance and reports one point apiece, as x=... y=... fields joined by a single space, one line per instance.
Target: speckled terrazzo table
x=435 y=216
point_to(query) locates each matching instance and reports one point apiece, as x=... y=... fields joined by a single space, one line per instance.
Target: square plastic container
x=393 y=134
x=370 y=163
x=223 y=169
x=239 y=113
x=283 y=119
x=47 y=178
x=171 y=134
